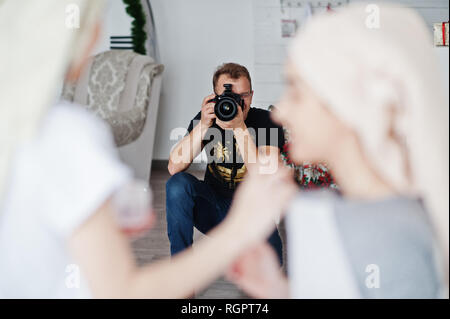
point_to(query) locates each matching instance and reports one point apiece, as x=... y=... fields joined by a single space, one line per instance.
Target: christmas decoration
x=138 y=34
x=308 y=175
x=441 y=34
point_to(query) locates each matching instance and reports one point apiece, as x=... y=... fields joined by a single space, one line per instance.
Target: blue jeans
x=191 y=202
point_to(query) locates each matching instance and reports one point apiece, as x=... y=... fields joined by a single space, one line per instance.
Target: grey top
x=388 y=246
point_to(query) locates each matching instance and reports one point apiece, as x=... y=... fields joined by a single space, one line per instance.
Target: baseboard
x=162 y=165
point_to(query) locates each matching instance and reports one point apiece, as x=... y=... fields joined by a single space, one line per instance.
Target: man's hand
x=237 y=122
x=208 y=116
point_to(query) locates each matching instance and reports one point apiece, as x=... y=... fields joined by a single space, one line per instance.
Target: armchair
x=123 y=88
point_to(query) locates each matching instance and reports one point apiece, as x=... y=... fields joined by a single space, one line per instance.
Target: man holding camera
x=238 y=140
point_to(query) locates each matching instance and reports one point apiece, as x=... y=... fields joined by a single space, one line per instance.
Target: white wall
x=116 y=22
x=270 y=47
x=190 y=34
x=194 y=38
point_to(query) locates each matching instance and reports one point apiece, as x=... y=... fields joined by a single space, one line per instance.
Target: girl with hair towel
x=366 y=98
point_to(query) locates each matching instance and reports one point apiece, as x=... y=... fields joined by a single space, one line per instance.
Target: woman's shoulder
x=390 y=238
x=65 y=118
x=392 y=210
x=394 y=239
x=394 y=215
x=395 y=219
x=77 y=159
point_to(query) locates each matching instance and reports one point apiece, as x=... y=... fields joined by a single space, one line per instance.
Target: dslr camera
x=227 y=104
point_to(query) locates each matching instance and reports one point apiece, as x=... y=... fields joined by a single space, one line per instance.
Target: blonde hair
x=37 y=45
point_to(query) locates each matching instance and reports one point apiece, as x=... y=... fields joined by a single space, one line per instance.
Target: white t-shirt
x=56 y=182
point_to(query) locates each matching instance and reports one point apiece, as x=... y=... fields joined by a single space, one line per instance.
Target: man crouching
x=237 y=138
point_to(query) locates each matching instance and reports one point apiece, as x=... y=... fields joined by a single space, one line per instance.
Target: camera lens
x=226 y=109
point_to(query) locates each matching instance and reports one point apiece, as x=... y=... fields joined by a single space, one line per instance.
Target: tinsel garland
x=139 y=36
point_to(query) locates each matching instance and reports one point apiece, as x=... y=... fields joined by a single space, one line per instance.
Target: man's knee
x=179 y=185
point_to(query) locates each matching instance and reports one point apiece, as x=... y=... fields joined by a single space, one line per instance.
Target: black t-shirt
x=226 y=168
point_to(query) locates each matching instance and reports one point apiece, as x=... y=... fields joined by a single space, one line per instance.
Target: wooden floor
x=155 y=244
